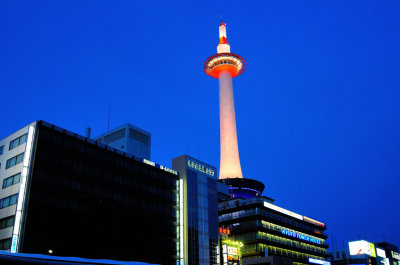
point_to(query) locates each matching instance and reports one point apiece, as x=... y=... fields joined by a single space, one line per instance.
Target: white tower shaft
x=230 y=163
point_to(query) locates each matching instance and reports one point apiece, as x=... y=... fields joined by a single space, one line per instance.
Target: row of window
x=5 y=244
x=272 y=238
x=11 y=180
x=14 y=160
x=8 y=201
x=279 y=228
x=285 y=252
x=18 y=141
x=7 y=222
x=289 y=242
x=266 y=213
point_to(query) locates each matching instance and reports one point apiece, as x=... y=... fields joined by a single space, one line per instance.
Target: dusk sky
x=317 y=109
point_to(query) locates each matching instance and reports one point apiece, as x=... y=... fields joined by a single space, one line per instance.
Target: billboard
x=362 y=247
x=381 y=253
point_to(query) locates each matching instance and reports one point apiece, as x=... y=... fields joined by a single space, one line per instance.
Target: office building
x=266 y=229
x=68 y=195
x=129 y=139
x=200 y=211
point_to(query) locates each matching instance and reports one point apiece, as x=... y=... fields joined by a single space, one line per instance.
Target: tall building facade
x=266 y=229
x=68 y=195
x=200 y=210
x=129 y=139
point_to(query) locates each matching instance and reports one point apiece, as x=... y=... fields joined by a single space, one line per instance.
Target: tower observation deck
x=224 y=66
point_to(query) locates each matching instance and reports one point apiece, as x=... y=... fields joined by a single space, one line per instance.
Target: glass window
x=19 y=158
x=15 y=160
x=17 y=178
x=10 y=221
x=9 y=182
x=7 y=244
x=16 y=142
x=22 y=139
x=6 y=202
x=13 y=199
x=1 y=149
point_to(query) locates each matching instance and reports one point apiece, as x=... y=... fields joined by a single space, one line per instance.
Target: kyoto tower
x=224 y=66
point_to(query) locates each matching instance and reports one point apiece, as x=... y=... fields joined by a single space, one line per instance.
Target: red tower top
x=224 y=60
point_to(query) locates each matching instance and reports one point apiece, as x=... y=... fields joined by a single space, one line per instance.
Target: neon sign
x=225 y=231
x=300 y=236
x=233 y=251
x=151 y=163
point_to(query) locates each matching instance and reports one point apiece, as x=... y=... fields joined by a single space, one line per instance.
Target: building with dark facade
x=266 y=229
x=200 y=211
x=68 y=195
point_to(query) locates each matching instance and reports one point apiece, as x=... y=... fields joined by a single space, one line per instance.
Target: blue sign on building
x=300 y=236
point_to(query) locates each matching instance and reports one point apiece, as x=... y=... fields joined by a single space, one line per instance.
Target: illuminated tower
x=224 y=66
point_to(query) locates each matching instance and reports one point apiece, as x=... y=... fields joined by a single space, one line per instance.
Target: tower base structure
x=243 y=187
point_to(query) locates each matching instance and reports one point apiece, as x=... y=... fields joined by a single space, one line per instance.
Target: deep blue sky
x=317 y=109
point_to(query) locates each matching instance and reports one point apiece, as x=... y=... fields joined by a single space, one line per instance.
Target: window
x=17 y=142
x=5 y=244
x=15 y=160
x=7 y=222
x=8 y=201
x=1 y=149
x=11 y=180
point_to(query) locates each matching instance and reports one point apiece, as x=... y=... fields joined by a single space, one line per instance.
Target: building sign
x=151 y=163
x=225 y=231
x=300 y=236
x=318 y=261
x=201 y=168
x=233 y=251
x=14 y=244
x=281 y=210
x=362 y=247
x=395 y=255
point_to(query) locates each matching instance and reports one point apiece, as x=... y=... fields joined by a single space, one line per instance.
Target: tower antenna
x=221 y=16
